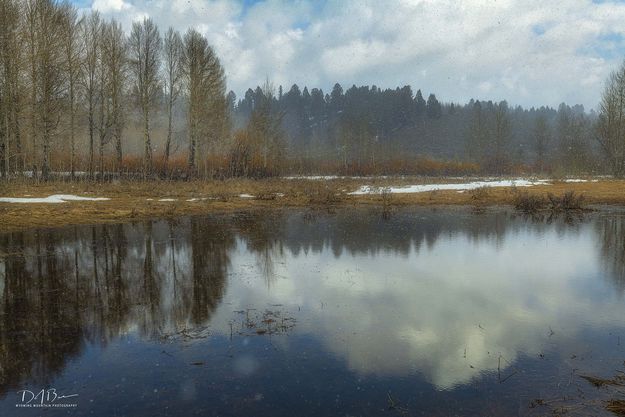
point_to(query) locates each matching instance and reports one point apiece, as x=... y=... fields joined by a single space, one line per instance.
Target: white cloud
x=446 y=312
x=531 y=52
x=106 y=6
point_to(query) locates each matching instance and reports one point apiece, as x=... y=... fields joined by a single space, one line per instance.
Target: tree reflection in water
x=62 y=289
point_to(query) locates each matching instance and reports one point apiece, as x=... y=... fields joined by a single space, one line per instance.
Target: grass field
x=130 y=201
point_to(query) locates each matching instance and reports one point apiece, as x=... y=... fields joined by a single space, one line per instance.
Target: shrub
x=387 y=199
x=319 y=193
x=568 y=201
x=529 y=203
x=479 y=194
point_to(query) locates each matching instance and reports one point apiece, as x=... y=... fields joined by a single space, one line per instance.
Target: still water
x=297 y=313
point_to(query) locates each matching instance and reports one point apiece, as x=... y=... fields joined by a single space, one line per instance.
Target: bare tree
x=49 y=74
x=145 y=46
x=103 y=102
x=114 y=54
x=72 y=53
x=502 y=132
x=205 y=89
x=542 y=137
x=30 y=29
x=91 y=37
x=265 y=132
x=478 y=133
x=172 y=51
x=10 y=98
x=611 y=123
x=573 y=130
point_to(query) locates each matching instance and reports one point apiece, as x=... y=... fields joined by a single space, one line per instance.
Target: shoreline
x=135 y=201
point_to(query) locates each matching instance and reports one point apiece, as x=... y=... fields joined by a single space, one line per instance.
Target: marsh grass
x=567 y=201
x=529 y=203
x=320 y=193
x=387 y=200
x=131 y=199
x=616 y=406
x=480 y=194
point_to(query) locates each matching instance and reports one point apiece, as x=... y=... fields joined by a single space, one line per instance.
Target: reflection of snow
x=366 y=189
x=447 y=312
x=56 y=198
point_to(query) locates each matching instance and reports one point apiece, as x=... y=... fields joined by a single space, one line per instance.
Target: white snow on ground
x=331 y=177
x=578 y=180
x=167 y=199
x=421 y=188
x=56 y=198
x=246 y=196
x=313 y=177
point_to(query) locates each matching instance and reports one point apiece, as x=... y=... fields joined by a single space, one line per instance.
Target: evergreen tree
x=434 y=110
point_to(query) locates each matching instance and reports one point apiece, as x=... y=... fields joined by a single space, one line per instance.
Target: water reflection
x=447 y=295
x=611 y=232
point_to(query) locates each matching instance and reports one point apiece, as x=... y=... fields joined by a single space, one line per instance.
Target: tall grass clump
x=566 y=202
x=529 y=203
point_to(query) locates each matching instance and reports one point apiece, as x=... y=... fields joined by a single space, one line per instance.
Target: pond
x=313 y=313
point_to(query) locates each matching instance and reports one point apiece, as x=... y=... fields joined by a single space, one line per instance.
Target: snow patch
x=246 y=196
x=332 y=177
x=578 y=180
x=56 y=198
x=421 y=188
x=314 y=177
x=167 y=199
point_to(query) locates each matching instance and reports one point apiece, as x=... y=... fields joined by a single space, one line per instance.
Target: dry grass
x=567 y=201
x=616 y=406
x=529 y=203
x=129 y=200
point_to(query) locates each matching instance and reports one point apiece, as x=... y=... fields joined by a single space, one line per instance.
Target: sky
x=528 y=52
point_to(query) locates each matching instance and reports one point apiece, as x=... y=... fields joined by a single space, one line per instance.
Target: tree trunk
x=45 y=164
x=91 y=134
x=6 y=146
x=72 y=124
x=169 y=129
x=192 y=145
x=147 y=155
x=118 y=152
x=19 y=161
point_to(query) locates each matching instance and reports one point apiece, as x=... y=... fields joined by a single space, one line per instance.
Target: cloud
x=445 y=313
x=530 y=52
x=107 y=6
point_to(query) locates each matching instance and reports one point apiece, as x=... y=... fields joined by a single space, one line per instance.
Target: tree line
x=366 y=128
x=80 y=96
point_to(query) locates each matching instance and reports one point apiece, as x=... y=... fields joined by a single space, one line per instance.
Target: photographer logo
x=45 y=398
